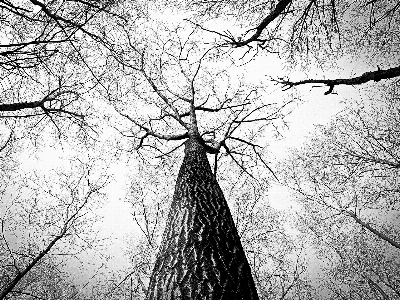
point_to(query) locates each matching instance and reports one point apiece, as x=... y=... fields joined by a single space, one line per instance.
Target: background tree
x=48 y=82
x=346 y=179
x=41 y=220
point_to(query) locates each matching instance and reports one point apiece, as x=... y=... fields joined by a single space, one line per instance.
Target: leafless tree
x=346 y=179
x=39 y=221
x=191 y=102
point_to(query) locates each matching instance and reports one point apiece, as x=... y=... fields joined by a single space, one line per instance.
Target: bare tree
x=346 y=179
x=189 y=101
x=173 y=88
x=32 y=229
x=358 y=267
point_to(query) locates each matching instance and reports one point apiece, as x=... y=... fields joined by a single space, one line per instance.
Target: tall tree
x=200 y=256
x=60 y=57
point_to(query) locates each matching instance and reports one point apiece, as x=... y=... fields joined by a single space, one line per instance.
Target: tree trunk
x=201 y=256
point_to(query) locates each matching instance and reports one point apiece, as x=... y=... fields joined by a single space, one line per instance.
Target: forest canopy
x=102 y=103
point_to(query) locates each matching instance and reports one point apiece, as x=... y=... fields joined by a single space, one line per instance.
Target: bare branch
x=216 y=109
x=169 y=152
x=373 y=230
x=149 y=132
x=254 y=146
x=230 y=153
x=279 y=8
x=7 y=142
x=277 y=11
x=331 y=83
x=52 y=96
x=167 y=101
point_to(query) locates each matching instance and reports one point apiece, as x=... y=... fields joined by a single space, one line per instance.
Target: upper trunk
x=201 y=256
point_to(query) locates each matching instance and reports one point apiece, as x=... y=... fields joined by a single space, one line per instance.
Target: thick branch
x=279 y=8
x=52 y=96
x=21 y=274
x=331 y=83
x=21 y=105
x=373 y=230
x=55 y=17
x=216 y=109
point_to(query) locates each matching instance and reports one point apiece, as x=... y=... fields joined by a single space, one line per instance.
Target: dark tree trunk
x=201 y=256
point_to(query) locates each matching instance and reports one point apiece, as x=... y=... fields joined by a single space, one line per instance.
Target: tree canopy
x=88 y=86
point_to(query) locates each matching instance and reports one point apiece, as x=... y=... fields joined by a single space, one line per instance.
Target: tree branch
x=373 y=230
x=63 y=232
x=149 y=132
x=279 y=8
x=7 y=142
x=230 y=153
x=331 y=83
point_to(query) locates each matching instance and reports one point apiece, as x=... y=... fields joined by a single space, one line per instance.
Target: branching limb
x=376 y=160
x=166 y=100
x=216 y=109
x=277 y=11
x=229 y=37
x=373 y=230
x=149 y=132
x=254 y=146
x=58 y=18
x=7 y=142
x=169 y=152
x=229 y=152
x=331 y=83
x=47 y=104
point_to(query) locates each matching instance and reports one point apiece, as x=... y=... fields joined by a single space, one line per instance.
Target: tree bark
x=201 y=256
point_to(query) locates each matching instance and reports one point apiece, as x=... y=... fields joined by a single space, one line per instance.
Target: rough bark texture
x=201 y=256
